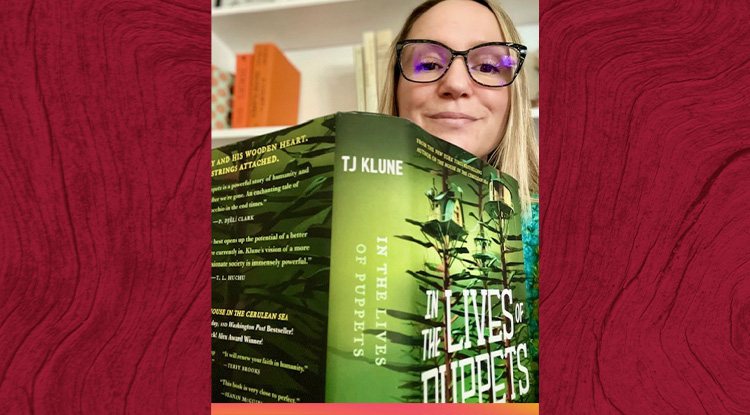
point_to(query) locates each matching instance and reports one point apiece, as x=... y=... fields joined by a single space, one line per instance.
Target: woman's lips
x=452 y=119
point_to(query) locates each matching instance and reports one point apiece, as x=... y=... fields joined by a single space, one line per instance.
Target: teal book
x=357 y=258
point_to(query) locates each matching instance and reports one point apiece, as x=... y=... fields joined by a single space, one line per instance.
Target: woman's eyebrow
x=471 y=44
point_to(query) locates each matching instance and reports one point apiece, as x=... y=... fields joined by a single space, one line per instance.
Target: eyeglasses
x=493 y=64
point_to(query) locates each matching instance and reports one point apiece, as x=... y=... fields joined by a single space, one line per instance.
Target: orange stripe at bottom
x=372 y=409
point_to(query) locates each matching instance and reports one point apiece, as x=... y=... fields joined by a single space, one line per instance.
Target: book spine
x=276 y=86
x=243 y=80
x=367 y=260
x=383 y=40
x=371 y=78
x=258 y=111
x=221 y=97
x=284 y=89
x=359 y=74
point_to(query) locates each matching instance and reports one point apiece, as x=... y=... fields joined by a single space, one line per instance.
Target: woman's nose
x=456 y=82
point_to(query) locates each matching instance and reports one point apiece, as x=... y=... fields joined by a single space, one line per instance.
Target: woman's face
x=455 y=108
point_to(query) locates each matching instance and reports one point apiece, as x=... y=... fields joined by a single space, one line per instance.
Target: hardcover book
x=357 y=258
x=274 y=89
x=221 y=98
x=370 y=60
x=243 y=83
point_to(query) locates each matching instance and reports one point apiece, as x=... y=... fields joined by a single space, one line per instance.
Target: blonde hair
x=517 y=154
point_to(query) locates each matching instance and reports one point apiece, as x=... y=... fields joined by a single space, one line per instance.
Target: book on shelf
x=221 y=97
x=383 y=40
x=369 y=59
x=371 y=67
x=359 y=75
x=357 y=258
x=275 y=88
x=243 y=82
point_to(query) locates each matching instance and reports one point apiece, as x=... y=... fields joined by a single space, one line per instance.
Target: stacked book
x=266 y=89
x=221 y=97
x=371 y=68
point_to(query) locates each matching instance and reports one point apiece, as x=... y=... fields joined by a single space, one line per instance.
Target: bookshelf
x=318 y=36
x=232 y=135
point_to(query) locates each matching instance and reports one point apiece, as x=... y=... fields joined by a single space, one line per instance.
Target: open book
x=357 y=258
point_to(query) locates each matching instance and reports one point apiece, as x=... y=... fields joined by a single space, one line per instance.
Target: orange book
x=274 y=98
x=242 y=85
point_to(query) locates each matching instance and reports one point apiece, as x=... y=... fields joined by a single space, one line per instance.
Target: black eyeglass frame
x=521 y=49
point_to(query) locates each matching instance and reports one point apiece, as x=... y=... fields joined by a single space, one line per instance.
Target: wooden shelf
x=221 y=138
x=269 y=6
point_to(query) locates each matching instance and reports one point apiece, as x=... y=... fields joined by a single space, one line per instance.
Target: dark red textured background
x=105 y=229
x=105 y=207
x=645 y=207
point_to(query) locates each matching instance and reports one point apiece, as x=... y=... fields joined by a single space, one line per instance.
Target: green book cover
x=357 y=258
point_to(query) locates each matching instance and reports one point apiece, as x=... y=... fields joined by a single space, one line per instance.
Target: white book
x=383 y=39
x=359 y=73
x=370 y=64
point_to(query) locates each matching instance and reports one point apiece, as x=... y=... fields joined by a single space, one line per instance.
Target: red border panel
x=645 y=188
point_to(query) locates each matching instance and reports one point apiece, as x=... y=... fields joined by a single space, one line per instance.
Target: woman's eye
x=486 y=68
x=427 y=66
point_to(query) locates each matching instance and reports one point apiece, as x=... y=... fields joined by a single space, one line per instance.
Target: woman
x=452 y=78
x=485 y=114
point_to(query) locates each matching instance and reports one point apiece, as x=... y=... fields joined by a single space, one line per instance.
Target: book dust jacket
x=357 y=258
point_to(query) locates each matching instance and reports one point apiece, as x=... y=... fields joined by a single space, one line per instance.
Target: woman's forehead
x=459 y=24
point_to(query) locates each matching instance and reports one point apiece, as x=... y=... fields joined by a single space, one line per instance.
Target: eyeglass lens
x=492 y=65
